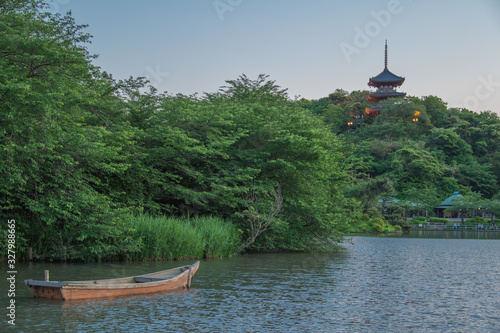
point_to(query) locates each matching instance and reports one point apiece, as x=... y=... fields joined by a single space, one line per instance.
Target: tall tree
x=56 y=141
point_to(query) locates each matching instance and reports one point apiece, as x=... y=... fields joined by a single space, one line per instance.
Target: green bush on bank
x=478 y=220
x=438 y=219
x=377 y=224
x=419 y=220
x=418 y=223
x=178 y=238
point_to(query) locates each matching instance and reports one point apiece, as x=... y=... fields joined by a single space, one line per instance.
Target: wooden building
x=386 y=83
x=440 y=210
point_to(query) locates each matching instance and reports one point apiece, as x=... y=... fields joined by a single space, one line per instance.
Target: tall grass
x=177 y=238
x=221 y=237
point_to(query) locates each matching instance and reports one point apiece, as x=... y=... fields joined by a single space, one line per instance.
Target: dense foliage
x=418 y=157
x=82 y=151
x=96 y=168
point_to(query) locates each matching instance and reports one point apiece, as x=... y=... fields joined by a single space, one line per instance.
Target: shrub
x=438 y=219
x=361 y=226
x=478 y=220
x=381 y=225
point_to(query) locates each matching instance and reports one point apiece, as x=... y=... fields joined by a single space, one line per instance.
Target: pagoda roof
x=374 y=108
x=387 y=94
x=373 y=111
x=381 y=95
x=386 y=77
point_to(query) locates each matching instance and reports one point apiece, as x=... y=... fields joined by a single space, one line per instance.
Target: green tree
x=479 y=178
x=436 y=109
x=55 y=141
x=396 y=215
x=424 y=198
x=467 y=204
x=209 y=155
x=400 y=118
x=492 y=206
x=337 y=118
x=294 y=150
x=369 y=191
x=412 y=166
x=450 y=144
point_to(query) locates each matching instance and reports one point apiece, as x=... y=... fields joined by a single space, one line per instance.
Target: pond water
x=378 y=284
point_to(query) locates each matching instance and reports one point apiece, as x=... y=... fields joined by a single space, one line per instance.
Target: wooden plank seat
x=145 y=279
x=55 y=284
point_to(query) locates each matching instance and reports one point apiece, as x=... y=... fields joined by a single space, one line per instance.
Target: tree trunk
x=258 y=222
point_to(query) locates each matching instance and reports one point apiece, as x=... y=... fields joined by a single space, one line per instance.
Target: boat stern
x=44 y=291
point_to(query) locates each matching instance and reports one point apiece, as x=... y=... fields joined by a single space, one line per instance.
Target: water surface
x=389 y=284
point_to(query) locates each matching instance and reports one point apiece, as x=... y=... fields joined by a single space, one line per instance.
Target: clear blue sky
x=447 y=48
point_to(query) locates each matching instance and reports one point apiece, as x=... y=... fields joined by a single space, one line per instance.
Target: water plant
x=166 y=237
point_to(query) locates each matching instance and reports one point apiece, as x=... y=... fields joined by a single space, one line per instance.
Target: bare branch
x=258 y=222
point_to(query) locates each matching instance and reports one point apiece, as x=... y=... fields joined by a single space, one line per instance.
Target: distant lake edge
x=445 y=234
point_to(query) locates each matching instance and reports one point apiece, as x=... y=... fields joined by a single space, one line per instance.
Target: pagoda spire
x=385 y=67
x=386 y=84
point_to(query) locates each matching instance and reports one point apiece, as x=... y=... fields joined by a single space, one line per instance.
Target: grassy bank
x=178 y=238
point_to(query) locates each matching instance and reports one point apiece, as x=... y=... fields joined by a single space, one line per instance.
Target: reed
x=221 y=237
x=179 y=238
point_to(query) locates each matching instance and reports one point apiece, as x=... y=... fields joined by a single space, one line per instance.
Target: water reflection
x=376 y=284
x=440 y=234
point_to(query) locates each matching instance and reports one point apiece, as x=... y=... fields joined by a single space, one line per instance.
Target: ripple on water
x=376 y=285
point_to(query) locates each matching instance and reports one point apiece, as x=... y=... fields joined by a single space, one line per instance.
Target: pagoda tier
x=386 y=83
x=386 y=78
x=373 y=112
x=384 y=93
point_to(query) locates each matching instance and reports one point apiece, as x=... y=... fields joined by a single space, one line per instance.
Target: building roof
x=374 y=96
x=386 y=78
x=449 y=201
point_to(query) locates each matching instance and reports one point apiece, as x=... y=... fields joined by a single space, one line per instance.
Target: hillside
x=421 y=157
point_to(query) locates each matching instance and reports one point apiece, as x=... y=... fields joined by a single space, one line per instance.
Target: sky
x=445 y=48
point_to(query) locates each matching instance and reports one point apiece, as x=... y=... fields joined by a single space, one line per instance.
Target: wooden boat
x=171 y=279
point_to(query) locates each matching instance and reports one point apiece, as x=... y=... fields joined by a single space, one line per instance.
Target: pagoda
x=386 y=84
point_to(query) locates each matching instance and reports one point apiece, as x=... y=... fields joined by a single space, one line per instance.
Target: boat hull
x=74 y=290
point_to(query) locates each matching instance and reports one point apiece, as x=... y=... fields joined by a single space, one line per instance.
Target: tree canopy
x=426 y=149
x=82 y=151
